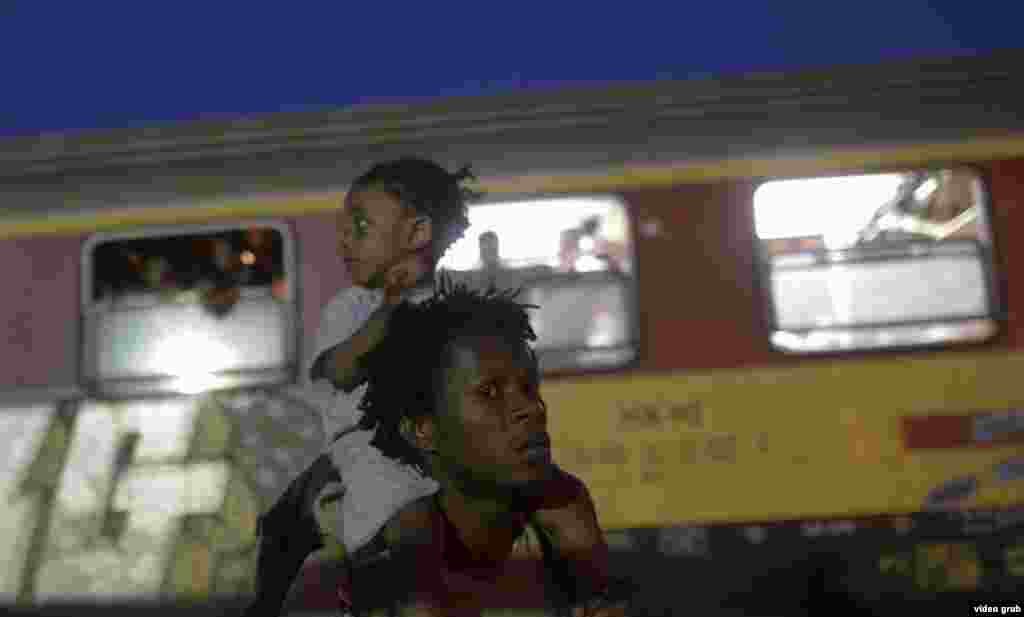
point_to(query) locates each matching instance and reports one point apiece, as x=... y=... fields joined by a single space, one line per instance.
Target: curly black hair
x=405 y=371
x=429 y=190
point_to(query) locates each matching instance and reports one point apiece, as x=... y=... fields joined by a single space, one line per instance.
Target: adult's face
x=491 y=427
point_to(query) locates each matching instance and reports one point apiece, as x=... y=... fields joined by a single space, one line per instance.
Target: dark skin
x=491 y=405
x=376 y=232
x=383 y=245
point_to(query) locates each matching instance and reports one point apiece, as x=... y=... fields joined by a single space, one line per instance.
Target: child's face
x=374 y=232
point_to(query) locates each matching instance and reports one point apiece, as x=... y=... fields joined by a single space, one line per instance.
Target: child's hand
x=405 y=275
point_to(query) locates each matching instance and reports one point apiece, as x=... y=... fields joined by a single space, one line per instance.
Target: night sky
x=93 y=65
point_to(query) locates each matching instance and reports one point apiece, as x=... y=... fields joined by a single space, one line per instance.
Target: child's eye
x=490 y=391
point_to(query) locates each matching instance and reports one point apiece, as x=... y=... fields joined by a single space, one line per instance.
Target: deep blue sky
x=107 y=64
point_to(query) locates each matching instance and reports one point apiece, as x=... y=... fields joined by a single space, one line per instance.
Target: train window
x=573 y=258
x=876 y=261
x=188 y=311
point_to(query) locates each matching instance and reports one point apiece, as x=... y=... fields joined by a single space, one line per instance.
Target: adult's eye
x=490 y=391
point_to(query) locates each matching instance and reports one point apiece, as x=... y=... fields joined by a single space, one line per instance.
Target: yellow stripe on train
x=774 y=443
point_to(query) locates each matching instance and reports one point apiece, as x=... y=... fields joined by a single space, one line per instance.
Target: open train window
x=876 y=261
x=188 y=310
x=572 y=256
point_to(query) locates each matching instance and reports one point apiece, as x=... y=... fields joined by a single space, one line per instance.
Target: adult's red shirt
x=448 y=575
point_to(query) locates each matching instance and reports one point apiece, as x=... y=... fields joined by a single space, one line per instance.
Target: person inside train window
x=159 y=277
x=453 y=391
x=568 y=250
x=490 y=256
x=490 y=260
x=220 y=281
x=260 y=258
x=117 y=272
x=952 y=209
x=256 y=257
x=943 y=205
x=610 y=255
x=581 y=249
x=395 y=224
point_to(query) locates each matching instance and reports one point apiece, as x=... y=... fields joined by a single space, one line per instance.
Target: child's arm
x=340 y=364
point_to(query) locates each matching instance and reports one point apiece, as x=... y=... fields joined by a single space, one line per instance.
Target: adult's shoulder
x=412 y=526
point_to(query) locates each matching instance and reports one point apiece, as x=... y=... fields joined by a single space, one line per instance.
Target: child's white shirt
x=374 y=486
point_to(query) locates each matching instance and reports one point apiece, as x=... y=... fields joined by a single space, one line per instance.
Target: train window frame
x=578 y=360
x=898 y=337
x=135 y=387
